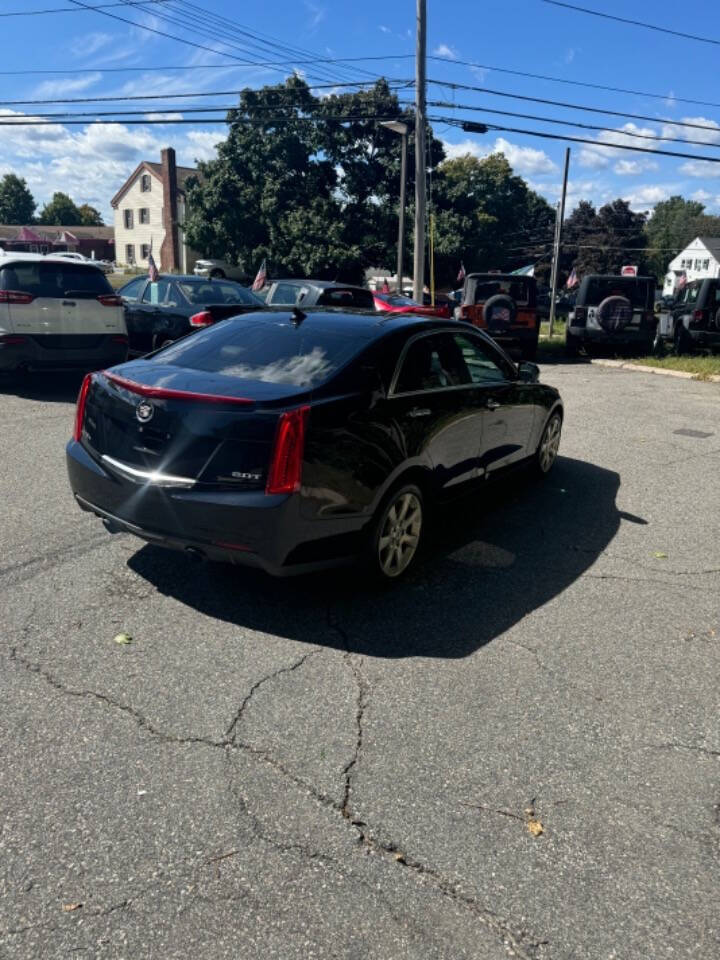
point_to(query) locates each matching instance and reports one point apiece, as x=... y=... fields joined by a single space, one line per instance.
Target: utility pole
x=420 y=53
x=556 y=247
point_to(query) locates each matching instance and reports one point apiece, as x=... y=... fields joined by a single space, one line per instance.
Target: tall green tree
x=60 y=211
x=673 y=224
x=89 y=216
x=17 y=205
x=602 y=241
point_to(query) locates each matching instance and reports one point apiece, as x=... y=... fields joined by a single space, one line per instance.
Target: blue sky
x=91 y=162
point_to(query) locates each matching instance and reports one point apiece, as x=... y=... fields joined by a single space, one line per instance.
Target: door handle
x=492 y=404
x=419 y=412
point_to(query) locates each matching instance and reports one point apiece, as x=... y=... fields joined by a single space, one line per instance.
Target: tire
x=681 y=339
x=572 y=344
x=614 y=314
x=546 y=453
x=499 y=313
x=396 y=532
x=217 y=274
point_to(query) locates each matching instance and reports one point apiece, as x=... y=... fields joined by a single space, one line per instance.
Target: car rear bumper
x=518 y=336
x=240 y=527
x=705 y=338
x=29 y=354
x=628 y=335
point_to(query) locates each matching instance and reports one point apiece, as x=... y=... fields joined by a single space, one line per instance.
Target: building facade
x=149 y=211
x=698 y=260
x=97 y=243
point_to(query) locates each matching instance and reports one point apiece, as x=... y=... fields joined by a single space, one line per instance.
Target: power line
x=574 y=83
x=36 y=13
x=576 y=106
x=570 y=123
x=634 y=23
x=34 y=122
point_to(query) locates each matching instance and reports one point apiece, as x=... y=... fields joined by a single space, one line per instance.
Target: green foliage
x=602 y=241
x=89 y=216
x=672 y=226
x=17 y=205
x=60 y=211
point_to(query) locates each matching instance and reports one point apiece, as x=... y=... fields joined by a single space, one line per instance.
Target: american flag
x=461 y=273
x=152 y=266
x=681 y=281
x=572 y=280
x=261 y=277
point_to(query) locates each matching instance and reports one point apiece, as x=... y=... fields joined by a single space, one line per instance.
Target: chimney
x=170 y=249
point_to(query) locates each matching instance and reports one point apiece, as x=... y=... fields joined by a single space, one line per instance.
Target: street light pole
x=402 y=128
x=420 y=52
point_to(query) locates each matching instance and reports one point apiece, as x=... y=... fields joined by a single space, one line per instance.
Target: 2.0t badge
x=144 y=411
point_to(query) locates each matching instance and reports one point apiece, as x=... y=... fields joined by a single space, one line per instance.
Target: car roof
x=499 y=276
x=183 y=278
x=367 y=326
x=20 y=257
x=322 y=284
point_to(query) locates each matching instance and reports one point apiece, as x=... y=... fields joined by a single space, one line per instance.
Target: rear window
x=54 y=279
x=638 y=291
x=249 y=349
x=204 y=293
x=481 y=290
x=354 y=298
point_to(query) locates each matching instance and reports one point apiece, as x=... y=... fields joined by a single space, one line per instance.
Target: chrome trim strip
x=150 y=476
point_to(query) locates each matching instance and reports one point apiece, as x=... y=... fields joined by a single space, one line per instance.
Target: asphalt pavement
x=515 y=752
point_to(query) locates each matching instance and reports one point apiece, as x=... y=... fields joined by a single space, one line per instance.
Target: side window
x=156 y=292
x=284 y=294
x=481 y=364
x=132 y=290
x=432 y=363
x=717 y=293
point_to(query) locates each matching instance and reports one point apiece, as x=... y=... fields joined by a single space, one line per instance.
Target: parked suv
x=613 y=310
x=58 y=314
x=695 y=316
x=505 y=306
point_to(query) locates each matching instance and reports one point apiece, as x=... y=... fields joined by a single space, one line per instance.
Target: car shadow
x=487 y=563
x=52 y=387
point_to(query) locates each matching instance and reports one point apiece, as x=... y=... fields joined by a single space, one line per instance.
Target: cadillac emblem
x=144 y=411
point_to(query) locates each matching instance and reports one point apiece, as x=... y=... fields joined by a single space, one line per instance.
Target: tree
x=602 y=241
x=17 y=205
x=673 y=224
x=89 y=216
x=309 y=184
x=60 y=211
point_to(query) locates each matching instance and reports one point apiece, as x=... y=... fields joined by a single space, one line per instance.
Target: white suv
x=58 y=314
x=219 y=270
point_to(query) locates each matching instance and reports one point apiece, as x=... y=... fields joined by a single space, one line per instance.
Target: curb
x=681 y=374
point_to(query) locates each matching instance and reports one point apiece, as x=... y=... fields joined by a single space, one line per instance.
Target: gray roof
x=713 y=245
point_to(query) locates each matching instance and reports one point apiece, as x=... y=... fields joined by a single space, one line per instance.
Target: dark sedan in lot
x=171 y=306
x=290 y=441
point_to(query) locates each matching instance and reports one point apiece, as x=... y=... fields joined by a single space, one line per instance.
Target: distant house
x=94 y=242
x=698 y=260
x=150 y=209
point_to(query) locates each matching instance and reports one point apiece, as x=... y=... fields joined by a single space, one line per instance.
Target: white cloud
x=629 y=134
x=670 y=101
x=444 y=50
x=57 y=88
x=317 y=14
x=701 y=168
x=644 y=198
x=90 y=43
x=479 y=72
x=711 y=135
x=569 y=55
x=384 y=29
x=593 y=159
x=523 y=160
x=630 y=168
x=202 y=146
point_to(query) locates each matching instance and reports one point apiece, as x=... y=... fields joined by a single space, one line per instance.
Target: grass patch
x=558 y=332
x=702 y=367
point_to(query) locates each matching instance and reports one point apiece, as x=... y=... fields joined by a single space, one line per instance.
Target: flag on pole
x=385 y=286
x=681 y=281
x=572 y=280
x=461 y=273
x=152 y=266
x=261 y=277
x=528 y=271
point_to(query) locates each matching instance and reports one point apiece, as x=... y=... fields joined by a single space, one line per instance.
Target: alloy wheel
x=549 y=444
x=399 y=534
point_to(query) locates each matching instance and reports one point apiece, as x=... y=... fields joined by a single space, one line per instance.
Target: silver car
x=219 y=269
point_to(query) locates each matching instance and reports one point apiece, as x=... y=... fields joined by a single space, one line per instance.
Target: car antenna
x=297 y=316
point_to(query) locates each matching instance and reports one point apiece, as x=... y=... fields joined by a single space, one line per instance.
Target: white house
x=150 y=208
x=698 y=260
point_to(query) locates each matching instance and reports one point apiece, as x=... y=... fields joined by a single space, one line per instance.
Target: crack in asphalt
x=636 y=562
x=707 y=751
x=664 y=583
x=24 y=570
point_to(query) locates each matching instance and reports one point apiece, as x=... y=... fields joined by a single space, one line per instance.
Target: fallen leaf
x=69 y=907
x=659 y=555
x=400 y=857
x=123 y=638
x=535 y=827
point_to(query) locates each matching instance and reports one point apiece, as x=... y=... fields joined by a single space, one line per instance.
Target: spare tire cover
x=499 y=312
x=614 y=313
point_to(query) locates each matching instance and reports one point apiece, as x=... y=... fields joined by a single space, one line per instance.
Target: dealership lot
x=318 y=768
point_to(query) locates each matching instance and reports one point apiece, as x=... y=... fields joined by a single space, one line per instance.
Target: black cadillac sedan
x=291 y=441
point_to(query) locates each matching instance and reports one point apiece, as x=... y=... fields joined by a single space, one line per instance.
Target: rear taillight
x=80 y=409
x=119 y=339
x=202 y=319
x=285 y=471
x=110 y=300
x=699 y=317
x=580 y=316
x=15 y=296
x=11 y=338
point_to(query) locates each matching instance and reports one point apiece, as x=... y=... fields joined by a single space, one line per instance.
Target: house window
x=706 y=265
x=130 y=253
x=144 y=215
x=145 y=183
x=698 y=264
x=144 y=251
x=128 y=219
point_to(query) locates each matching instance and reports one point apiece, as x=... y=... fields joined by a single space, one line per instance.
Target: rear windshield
x=636 y=289
x=54 y=279
x=354 y=297
x=259 y=349
x=480 y=290
x=204 y=292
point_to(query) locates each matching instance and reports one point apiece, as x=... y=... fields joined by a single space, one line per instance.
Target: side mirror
x=528 y=372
